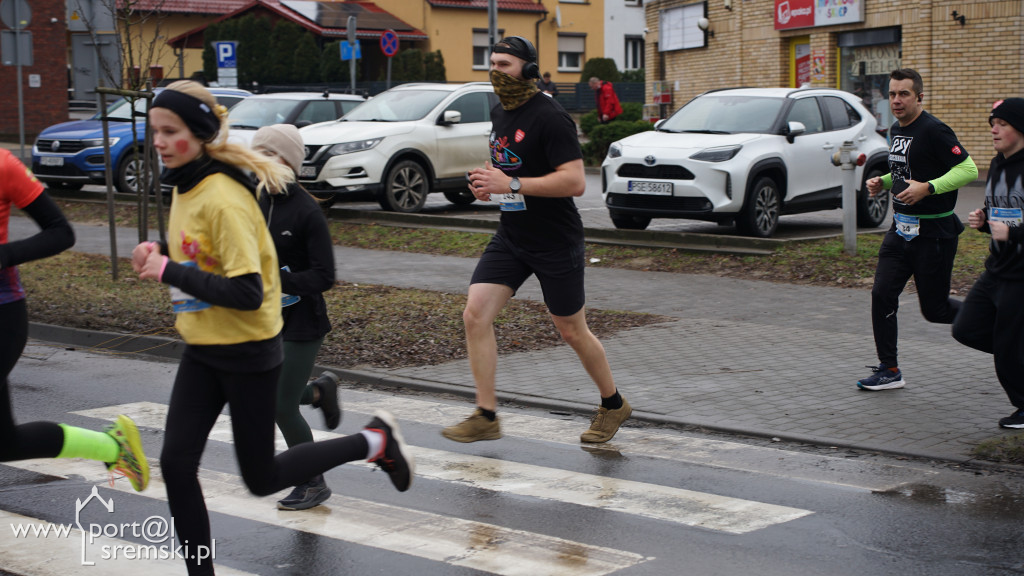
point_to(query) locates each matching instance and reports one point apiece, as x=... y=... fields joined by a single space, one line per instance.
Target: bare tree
x=134 y=27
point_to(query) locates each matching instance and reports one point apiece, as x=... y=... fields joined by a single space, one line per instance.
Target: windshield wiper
x=706 y=132
x=243 y=127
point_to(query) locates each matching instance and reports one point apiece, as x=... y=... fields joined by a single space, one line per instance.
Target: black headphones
x=530 y=68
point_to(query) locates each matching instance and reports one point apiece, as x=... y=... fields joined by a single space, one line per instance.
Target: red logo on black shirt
x=520 y=135
x=956 y=150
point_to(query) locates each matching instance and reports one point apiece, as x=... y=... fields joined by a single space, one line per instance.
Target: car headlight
x=615 y=150
x=718 y=153
x=350 y=147
x=97 y=142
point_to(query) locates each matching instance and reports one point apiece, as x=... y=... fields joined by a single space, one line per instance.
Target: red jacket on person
x=607 y=101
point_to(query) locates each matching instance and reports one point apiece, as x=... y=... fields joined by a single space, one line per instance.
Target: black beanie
x=197 y=115
x=1011 y=110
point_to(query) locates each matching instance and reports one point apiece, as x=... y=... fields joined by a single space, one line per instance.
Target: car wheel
x=64 y=186
x=129 y=173
x=460 y=197
x=630 y=222
x=406 y=188
x=760 y=216
x=871 y=212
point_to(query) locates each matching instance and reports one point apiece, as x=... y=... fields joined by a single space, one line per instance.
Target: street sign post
x=227 y=63
x=350 y=35
x=389 y=46
x=17 y=15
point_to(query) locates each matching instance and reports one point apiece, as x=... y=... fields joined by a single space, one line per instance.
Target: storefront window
x=865 y=60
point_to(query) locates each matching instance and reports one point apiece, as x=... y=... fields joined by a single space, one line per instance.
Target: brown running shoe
x=606 y=423
x=476 y=427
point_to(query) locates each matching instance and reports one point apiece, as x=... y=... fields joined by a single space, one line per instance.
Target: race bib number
x=512 y=202
x=1009 y=216
x=183 y=302
x=288 y=299
x=907 y=226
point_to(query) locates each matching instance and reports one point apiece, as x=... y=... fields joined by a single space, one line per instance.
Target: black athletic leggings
x=930 y=262
x=35 y=439
x=200 y=393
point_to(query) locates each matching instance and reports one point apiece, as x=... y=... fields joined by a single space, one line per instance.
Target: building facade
x=969 y=53
x=44 y=83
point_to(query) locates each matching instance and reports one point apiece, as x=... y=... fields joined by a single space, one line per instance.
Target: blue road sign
x=389 y=43
x=227 y=54
x=346 y=51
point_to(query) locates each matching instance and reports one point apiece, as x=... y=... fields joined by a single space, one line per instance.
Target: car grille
x=311 y=152
x=661 y=171
x=667 y=203
x=45 y=146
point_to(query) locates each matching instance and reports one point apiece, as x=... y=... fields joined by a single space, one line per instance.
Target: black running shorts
x=559 y=271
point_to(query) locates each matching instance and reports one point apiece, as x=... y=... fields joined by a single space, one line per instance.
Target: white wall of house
x=624 y=24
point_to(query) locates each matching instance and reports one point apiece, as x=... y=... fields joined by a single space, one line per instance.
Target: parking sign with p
x=227 y=54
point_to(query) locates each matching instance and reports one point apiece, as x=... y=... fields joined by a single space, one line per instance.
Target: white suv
x=745 y=156
x=401 y=145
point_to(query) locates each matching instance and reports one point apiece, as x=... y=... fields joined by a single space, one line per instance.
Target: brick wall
x=47 y=104
x=965 y=68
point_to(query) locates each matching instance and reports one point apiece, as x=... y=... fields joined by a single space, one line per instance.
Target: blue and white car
x=69 y=155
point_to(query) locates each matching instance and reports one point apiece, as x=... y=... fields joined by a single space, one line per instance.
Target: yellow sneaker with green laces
x=131 y=462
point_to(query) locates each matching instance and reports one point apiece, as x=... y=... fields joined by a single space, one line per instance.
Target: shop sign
x=791 y=14
x=872 y=60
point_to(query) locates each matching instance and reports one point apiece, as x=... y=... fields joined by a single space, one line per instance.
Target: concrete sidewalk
x=740 y=356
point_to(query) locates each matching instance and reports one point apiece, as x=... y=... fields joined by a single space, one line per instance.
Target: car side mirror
x=793 y=130
x=658 y=124
x=303 y=123
x=450 y=117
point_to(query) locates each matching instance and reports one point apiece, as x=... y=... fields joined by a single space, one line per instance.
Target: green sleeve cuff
x=887 y=181
x=960 y=175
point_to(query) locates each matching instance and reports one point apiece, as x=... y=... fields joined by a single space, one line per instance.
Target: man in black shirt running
x=536 y=168
x=927 y=166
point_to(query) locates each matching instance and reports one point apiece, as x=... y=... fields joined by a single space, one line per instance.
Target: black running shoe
x=882 y=379
x=306 y=495
x=394 y=457
x=1015 y=420
x=329 y=403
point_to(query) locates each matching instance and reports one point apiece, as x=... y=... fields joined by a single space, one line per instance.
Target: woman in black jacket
x=305 y=254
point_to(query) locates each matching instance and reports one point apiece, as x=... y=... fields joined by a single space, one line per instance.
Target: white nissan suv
x=401 y=145
x=745 y=156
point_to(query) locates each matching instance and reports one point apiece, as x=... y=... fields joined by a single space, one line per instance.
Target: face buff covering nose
x=512 y=92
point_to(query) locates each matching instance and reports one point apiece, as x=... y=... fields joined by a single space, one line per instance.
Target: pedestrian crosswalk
x=449 y=539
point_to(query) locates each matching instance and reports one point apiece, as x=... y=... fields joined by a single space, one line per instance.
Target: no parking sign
x=389 y=43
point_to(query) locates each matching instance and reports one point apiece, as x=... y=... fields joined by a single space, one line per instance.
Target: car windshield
x=254 y=113
x=397 y=106
x=725 y=114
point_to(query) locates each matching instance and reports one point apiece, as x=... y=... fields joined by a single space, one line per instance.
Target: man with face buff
x=536 y=168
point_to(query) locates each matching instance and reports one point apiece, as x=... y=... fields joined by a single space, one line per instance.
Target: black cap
x=1011 y=110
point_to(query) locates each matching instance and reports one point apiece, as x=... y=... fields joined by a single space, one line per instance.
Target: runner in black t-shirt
x=927 y=166
x=536 y=168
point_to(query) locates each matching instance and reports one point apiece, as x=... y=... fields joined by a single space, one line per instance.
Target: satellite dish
x=558 y=17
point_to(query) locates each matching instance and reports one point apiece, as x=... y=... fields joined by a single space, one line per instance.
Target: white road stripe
x=60 y=556
x=455 y=541
x=858 y=473
x=722 y=513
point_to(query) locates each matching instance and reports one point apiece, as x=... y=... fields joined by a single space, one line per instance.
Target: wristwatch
x=515 y=184
x=931 y=188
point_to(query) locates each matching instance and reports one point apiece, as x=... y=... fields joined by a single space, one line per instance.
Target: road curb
x=646 y=238
x=172 y=348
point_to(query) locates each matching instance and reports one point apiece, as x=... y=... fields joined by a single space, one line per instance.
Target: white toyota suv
x=745 y=156
x=401 y=145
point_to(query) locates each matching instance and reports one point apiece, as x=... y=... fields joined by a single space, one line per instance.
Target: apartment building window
x=634 y=52
x=570 y=52
x=481 y=50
